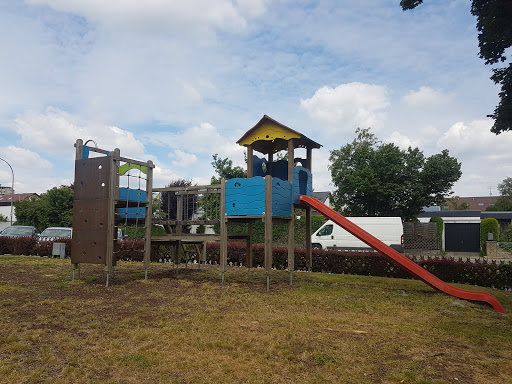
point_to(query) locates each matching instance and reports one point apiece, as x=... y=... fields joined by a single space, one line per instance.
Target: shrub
x=506 y=236
x=368 y=263
x=488 y=225
x=440 y=226
x=483 y=273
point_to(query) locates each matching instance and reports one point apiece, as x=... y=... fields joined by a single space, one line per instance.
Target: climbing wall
x=91 y=206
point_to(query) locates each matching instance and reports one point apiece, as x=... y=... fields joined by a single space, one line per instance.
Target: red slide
x=400 y=259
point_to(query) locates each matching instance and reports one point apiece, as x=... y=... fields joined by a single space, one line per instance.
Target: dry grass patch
x=186 y=328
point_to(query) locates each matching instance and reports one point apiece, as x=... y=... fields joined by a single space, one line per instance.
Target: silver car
x=53 y=233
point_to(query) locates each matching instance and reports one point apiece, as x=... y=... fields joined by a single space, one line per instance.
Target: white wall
x=6 y=211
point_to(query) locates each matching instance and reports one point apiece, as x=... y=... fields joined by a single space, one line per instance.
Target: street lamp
x=12 y=186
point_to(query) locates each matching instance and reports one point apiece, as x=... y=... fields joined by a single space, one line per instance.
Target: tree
x=505 y=187
x=504 y=202
x=53 y=209
x=454 y=205
x=380 y=179
x=169 y=201
x=225 y=170
x=3 y=218
x=494 y=37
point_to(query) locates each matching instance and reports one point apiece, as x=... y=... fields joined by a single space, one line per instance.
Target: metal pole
x=12 y=187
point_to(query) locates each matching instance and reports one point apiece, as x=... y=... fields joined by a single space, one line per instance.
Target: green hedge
x=488 y=225
x=482 y=273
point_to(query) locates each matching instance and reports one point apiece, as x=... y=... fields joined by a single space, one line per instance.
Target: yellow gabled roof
x=268 y=135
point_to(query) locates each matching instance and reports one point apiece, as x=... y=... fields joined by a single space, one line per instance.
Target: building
x=7 y=199
x=478 y=203
x=462 y=228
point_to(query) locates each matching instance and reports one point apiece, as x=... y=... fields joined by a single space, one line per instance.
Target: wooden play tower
x=272 y=188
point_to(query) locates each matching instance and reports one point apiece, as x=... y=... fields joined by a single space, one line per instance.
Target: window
x=480 y=204
x=325 y=231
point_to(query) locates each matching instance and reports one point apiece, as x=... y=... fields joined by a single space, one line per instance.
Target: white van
x=331 y=236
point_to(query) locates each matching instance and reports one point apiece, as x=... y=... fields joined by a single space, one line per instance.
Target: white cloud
x=200 y=139
x=32 y=173
x=321 y=174
x=426 y=97
x=21 y=158
x=485 y=157
x=56 y=131
x=342 y=109
x=475 y=139
x=182 y=159
x=402 y=141
x=158 y=15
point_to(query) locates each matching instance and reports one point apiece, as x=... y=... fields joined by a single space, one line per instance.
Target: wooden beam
x=268 y=223
x=223 y=228
x=250 y=165
x=149 y=214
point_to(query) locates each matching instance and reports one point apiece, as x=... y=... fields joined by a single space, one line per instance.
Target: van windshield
x=325 y=231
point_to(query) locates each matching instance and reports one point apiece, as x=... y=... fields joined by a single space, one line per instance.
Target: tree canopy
x=505 y=187
x=53 y=209
x=225 y=170
x=504 y=202
x=169 y=201
x=494 y=24
x=379 y=179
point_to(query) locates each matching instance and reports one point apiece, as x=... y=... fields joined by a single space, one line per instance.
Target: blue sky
x=176 y=82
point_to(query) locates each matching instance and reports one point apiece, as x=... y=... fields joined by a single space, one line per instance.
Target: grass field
x=186 y=328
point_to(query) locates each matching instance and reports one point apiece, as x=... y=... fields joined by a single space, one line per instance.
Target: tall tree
x=494 y=24
x=53 y=209
x=379 y=179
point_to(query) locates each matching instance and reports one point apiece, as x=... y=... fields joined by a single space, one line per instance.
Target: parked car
x=54 y=233
x=19 y=231
x=331 y=236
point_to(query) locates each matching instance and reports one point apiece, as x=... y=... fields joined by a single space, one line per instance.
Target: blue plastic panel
x=302 y=183
x=132 y=213
x=281 y=197
x=132 y=194
x=245 y=197
x=280 y=169
x=259 y=166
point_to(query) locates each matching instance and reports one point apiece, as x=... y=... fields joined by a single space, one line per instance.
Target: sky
x=176 y=82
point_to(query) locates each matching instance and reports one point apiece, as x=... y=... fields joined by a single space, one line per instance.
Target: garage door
x=462 y=237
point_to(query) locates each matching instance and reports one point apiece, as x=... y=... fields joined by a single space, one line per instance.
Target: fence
x=421 y=236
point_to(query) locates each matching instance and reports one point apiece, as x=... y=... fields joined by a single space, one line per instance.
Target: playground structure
x=114 y=194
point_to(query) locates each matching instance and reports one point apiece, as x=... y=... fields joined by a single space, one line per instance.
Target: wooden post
x=149 y=214
x=248 y=252
x=270 y=162
x=268 y=227
x=177 y=251
x=250 y=166
x=250 y=173
x=291 y=224
x=223 y=229
x=179 y=215
x=309 y=254
x=79 y=155
x=114 y=165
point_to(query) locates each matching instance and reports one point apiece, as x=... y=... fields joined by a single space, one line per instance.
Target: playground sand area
x=187 y=328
